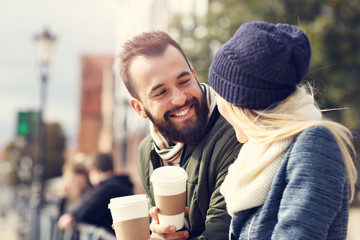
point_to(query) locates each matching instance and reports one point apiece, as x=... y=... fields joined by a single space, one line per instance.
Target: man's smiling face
x=170 y=95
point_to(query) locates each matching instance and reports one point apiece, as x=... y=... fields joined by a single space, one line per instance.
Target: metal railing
x=81 y=231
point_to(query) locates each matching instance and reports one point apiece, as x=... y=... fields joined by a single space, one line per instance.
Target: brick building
x=96 y=104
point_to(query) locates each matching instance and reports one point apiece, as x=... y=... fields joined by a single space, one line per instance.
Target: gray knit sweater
x=308 y=198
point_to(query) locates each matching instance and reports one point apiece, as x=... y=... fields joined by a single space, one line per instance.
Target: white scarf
x=250 y=177
x=170 y=153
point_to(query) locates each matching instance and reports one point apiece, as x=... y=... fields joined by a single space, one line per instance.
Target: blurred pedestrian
x=294 y=176
x=92 y=208
x=75 y=181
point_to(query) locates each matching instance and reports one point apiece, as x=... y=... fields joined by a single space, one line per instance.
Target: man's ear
x=194 y=73
x=138 y=107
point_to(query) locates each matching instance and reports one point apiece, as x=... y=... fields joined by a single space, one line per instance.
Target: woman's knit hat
x=260 y=65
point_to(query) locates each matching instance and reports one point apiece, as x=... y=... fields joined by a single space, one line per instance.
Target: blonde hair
x=281 y=123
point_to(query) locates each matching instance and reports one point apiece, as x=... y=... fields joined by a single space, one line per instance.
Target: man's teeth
x=182 y=113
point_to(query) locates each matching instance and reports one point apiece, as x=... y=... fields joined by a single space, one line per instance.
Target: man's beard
x=192 y=130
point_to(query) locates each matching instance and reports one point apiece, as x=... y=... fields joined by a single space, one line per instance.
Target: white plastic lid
x=168 y=175
x=128 y=201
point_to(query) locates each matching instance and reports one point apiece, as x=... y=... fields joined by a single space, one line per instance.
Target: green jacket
x=206 y=164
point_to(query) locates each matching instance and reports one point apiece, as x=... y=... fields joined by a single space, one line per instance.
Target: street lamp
x=44 y=43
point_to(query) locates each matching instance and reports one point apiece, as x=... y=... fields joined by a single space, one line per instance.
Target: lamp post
x=44 y=43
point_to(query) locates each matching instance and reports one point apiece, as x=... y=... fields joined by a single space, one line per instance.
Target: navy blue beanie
x=260 y=65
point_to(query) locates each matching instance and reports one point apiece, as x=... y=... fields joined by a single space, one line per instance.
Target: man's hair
x=148 y=44
x=104 y=162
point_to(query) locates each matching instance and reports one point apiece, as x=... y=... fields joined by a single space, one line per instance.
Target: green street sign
x=27 y=122
x=23 y=126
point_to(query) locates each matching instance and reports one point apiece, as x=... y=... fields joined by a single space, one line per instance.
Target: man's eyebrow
x=184 y=73
x=156 y=87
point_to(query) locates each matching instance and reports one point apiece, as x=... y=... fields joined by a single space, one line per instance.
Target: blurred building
x=96 y=104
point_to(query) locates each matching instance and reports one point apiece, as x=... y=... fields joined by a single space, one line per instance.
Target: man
x=92 y=208
x=186 y=130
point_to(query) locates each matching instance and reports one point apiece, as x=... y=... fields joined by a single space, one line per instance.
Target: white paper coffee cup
x=169 y=184
x=130 y=217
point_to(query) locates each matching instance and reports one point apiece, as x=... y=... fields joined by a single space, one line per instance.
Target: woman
x=294 y=176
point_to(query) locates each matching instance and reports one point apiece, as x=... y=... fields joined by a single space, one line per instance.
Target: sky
x=80 y=26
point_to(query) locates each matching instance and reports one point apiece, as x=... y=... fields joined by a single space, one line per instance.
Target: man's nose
x=178 y=97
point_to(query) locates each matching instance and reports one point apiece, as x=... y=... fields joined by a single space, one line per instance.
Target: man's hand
x=66 y=222
x=160 y=231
